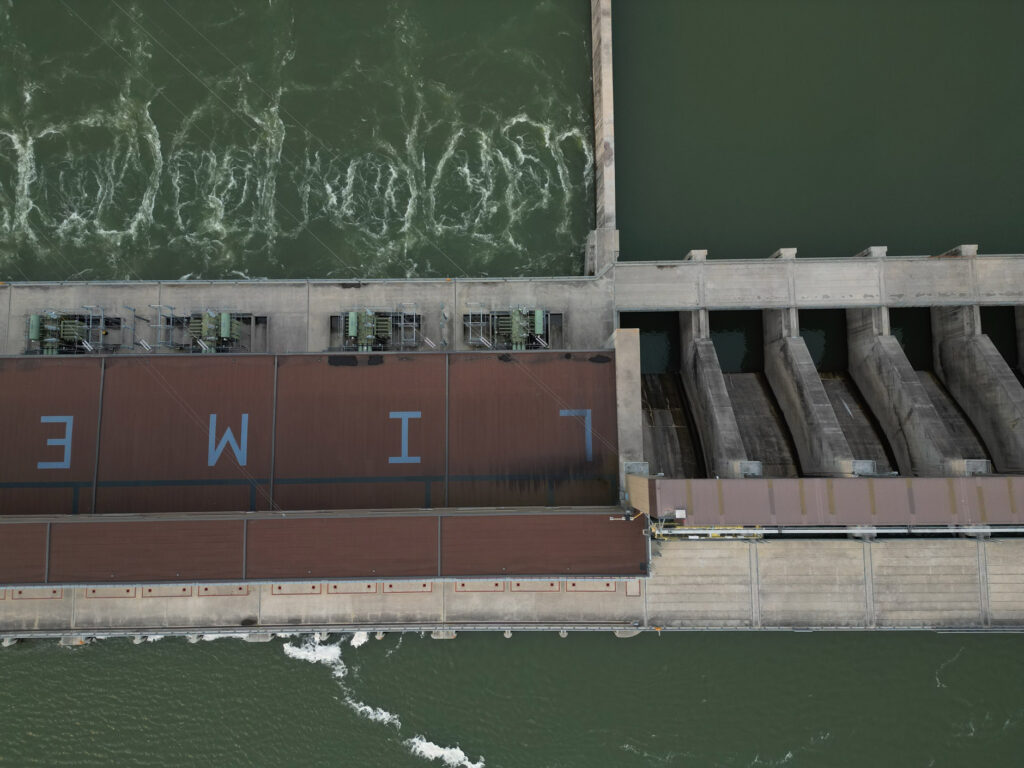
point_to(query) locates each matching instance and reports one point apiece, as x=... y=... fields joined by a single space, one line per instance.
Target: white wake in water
x=451 y=756
x=329 y=654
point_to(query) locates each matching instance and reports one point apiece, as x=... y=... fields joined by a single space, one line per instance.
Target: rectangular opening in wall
x=659 y=339
x=824 y=332
x=738 y=336
x=912 y=327
x=1000 y=325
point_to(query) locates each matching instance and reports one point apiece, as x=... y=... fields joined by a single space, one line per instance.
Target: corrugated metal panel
x=518 y=431
x=337 y=548
x=339 y=432
x=542 y=544
x=156 y=443
x=40 y=401
x=23 y=553
x=843 y=501
x=160 y=550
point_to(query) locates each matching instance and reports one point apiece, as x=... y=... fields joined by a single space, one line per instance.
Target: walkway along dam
x=189 y=457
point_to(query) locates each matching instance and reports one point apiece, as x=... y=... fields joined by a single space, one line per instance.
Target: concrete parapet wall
x=919 y=439
x=819 y=439
x=818 y=283
x=912 y=584
x=981 y=382
x=705 y=386
x=626 y=342
x=604 y=112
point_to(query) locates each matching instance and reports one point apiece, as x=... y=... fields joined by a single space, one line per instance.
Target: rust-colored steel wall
x=340 y=421
x=843 y=501
x=193 y=433
x=543 y=545
x=156 y=445
x=532 y=429
x=369 y=547
x=158 y=550
x=23 y=553
x=48 y=411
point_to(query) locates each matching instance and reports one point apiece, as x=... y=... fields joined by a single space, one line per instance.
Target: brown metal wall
x=335 y=434
x=369 y=547
x=32 y=388
x=508 y=443
x=547 y=544
x=154 y=437
x=160 y=550
x=23 y=553
x=867 y=501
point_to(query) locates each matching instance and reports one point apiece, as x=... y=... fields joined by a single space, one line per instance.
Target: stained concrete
x=721 y=443
x=700 y=584
x=919 y=439
x=669 y=442
x=812 y=583
x=812 y=283
x=762 y=427
x=817 y=436
x=978 y=377
x=927 y=583
x=626 y=342
x=779 y=584
x=864 y=436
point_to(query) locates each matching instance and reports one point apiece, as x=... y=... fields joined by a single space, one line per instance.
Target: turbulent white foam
x=376 y=714
x=450 y=756
x=314 y=651
x=154 y=638
x=211 y=636
x=359 y=638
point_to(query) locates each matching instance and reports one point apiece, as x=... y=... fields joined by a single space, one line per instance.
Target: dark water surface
x=743 y=126
x=728 y=699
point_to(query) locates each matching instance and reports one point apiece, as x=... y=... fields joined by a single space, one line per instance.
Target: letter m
x=216 y=448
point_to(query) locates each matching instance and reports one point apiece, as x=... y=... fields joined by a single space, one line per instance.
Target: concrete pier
x=978 y=377
x=919 y=439
x=603 y=243
x=705 y=385
x=820 y=442
x=626 y=342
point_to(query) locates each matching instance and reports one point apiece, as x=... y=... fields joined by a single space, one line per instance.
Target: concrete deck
x=699 y=585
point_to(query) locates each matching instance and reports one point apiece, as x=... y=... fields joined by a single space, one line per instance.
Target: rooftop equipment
x=518 y=328
x=71 y=332
x=206 y=331
x=381 y=330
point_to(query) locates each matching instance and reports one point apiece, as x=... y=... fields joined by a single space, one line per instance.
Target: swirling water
x=278 y=138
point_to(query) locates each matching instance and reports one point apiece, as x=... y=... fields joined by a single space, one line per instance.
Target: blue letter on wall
x=405 y=458
x=587 y=432
x=68 y=422
x=214 y=452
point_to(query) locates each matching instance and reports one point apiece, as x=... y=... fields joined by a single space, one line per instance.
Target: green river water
x=448 y=137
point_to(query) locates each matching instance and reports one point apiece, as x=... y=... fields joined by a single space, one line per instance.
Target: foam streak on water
x=313 y=650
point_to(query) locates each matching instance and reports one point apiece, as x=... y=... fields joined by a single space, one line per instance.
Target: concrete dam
x=461 y=454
